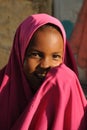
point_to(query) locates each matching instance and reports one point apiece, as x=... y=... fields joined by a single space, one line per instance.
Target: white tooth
x=43 y=74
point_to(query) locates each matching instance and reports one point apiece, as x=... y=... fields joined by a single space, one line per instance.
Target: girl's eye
x=57 y=56
x=34 y=55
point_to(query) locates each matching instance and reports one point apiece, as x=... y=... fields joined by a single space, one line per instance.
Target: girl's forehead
x=45 y=28
x=46 y=40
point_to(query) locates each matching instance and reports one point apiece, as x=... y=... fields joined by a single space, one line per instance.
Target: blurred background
x=13 y=12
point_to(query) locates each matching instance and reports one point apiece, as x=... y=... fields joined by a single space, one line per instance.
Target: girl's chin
x=35 y=86
x=35 y=82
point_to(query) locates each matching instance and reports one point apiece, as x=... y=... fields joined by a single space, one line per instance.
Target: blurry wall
x=12 y=13
x=67 y=9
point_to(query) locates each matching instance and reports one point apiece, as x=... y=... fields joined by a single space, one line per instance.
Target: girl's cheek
x=31 y=65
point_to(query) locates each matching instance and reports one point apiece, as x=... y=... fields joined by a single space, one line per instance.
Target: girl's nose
x=45 y=63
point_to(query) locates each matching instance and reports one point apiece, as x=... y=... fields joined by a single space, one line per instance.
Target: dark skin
x=43 y=53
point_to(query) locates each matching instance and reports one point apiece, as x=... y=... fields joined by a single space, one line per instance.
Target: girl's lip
x=40 y=75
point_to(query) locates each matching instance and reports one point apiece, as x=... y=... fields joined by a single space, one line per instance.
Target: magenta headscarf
x=55 y=105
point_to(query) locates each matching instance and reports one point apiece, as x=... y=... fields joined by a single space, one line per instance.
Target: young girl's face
x=45 y=52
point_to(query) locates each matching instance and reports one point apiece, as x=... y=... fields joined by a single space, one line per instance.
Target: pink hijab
x=59 y=104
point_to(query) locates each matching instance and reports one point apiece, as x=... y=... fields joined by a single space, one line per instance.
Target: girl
x=39 y=89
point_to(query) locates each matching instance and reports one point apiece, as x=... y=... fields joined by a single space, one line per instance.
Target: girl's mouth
x=40 y=76
x=41 y=73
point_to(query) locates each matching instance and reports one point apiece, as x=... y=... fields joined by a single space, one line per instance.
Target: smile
x=40 y=75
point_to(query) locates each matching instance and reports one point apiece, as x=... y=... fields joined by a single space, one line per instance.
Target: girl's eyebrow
x=33 y=50
x=43 y=52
